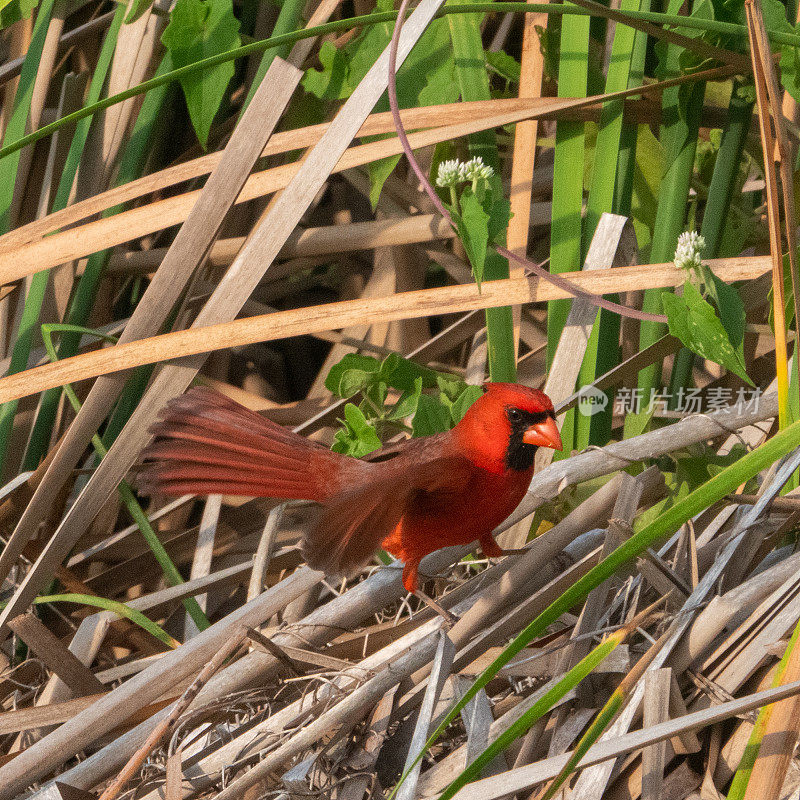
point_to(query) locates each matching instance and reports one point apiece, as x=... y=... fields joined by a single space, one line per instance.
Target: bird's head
x=503 y=427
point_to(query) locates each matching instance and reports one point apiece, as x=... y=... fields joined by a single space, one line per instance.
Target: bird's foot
x=493 y=550
x=449 y=618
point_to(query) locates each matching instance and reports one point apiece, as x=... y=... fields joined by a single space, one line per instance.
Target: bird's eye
x=514 y=414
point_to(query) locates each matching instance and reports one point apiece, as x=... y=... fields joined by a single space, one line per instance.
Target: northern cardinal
x=447 y=489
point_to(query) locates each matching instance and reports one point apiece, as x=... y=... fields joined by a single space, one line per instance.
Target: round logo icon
x=592 y=401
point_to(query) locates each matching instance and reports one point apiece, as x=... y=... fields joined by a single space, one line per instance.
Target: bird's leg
x=493 y=550
x=449 y=618
x=411 y=584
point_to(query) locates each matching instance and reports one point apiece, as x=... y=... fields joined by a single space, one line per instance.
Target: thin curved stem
x=536 y=269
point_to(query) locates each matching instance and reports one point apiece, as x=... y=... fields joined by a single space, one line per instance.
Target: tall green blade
x=602 y=351
x=566 y=228
x=681 y=109
x=131 y=165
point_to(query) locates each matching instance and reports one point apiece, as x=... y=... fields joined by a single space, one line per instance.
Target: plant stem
x=566 y=227
x=473 y=81
x=720 y=194
x=602 y=351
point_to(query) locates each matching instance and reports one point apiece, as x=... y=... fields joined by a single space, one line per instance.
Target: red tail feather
x=208 y=444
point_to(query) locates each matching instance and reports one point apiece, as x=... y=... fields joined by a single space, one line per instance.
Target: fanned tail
x=207 y=443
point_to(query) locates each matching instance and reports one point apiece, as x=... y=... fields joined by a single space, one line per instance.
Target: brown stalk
x=524 y=158
x=783 y=150
x=761 y=71
x=331 y=316
x=782 y=726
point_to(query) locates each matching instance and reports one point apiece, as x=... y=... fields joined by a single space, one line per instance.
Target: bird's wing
x=351 y=528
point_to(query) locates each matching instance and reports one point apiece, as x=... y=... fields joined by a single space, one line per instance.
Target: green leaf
x=352 y=361
x=330 y=82
x=199 y=29
x=358 y=437
x=646 y=181
x=462 y=403
x=473 y=227
x=694 y=322
x=376 y=392
x=450 y=388
x=431 y=417
x=408 y=403
x=730 y=307
x=503 y=64
x=354 y=380
x=499 y=217
x=378 y=172
x=402 y=373
x=12 y=11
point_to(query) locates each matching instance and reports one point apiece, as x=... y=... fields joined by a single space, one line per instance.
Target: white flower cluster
x=450 y=173
x=689 y=252
x=475 y=169
x=453 y=171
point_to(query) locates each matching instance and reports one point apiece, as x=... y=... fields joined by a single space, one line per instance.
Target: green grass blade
x=566 y=227
x=520 y=726
x=132 y=614
x=681 y=110
x=599 y=724
x=473 y=80
x=602 y=351
x=15 y=129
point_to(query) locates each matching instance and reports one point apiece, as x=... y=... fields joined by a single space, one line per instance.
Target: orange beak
x=543 y=434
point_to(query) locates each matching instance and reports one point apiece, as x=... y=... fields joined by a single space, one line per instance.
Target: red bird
x=447 y=489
